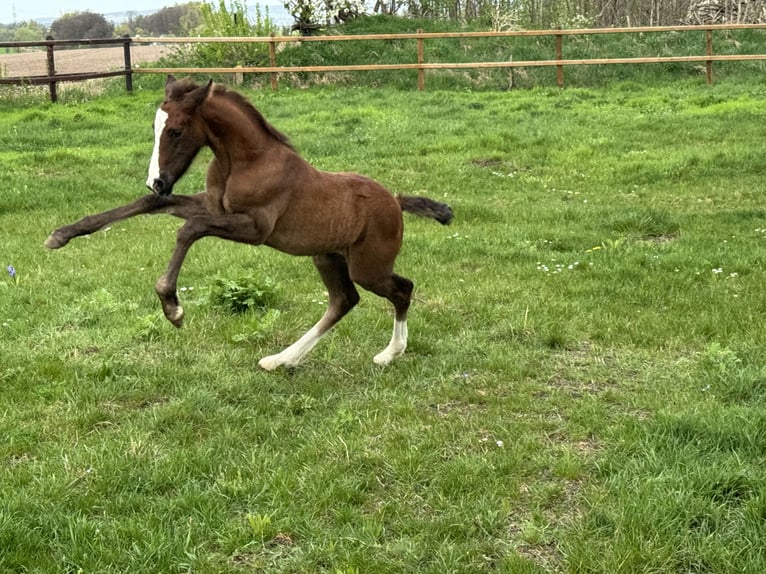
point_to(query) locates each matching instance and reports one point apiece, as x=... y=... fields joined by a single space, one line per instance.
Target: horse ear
x=208 y=88
x=198 y=96
x=168 y=83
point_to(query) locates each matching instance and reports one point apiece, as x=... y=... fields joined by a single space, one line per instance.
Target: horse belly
x=315 y=231
x=335 y=217
x=310 y=240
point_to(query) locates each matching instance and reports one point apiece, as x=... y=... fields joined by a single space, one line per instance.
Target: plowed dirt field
x=73 y=61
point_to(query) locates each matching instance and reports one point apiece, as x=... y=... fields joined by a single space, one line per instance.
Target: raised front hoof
x=56 y=240
x=175 y=315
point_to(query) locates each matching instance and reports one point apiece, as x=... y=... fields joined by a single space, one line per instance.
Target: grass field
x=584 y=389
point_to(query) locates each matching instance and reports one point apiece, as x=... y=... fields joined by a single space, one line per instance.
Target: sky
x=36 y=9
x=24 y=10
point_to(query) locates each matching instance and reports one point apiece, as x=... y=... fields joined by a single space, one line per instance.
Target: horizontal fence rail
x=419 y=63
x=52 y=78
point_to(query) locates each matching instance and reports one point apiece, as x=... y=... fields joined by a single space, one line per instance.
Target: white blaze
x=154 y=162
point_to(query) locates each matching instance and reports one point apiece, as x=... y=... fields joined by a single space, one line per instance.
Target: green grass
x=583 y=392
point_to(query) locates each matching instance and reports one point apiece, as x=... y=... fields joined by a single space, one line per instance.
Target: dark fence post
x=51 y=69
x=128 y=65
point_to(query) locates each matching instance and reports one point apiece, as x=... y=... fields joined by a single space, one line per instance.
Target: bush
x=226 y=22
x=243 y=293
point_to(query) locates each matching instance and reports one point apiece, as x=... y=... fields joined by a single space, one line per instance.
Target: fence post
x=51 y=69
x=128 y=64
x=421 y=71
x=273 y=61
x=709 y=50
x=559 y=56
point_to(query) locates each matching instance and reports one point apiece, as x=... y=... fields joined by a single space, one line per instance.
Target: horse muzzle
x=161 y=186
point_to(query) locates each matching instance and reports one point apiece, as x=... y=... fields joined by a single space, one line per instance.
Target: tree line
x=222 y=17
x=172 y=20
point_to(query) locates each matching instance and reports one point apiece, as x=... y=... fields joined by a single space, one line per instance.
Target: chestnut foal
x=260 y=191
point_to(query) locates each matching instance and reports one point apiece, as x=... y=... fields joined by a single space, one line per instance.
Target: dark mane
x=253 y=112
x=186 y=85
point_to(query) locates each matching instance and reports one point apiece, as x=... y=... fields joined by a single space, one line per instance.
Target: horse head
x=179 y=133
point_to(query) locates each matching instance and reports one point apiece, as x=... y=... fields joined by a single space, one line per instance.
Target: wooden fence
x=706 y=56
x=52 y=78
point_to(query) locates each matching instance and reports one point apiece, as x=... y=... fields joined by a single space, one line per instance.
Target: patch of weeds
x=646 y=224
x=243 y=293
x=298 y=404
x=260 y=525
x=732 y=489
x=556 y=336
x=148 y=327
x=260 y=328
x=487 y=161
x=720 y=361
x=727 y=377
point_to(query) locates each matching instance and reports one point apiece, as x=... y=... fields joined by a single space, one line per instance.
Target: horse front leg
x=183 y=206
x=234 y=227
x=166 y=286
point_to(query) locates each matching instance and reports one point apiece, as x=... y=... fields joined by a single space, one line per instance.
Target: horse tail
x=425 y=207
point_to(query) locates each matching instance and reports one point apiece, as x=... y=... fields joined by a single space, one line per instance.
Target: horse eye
x=174 y=133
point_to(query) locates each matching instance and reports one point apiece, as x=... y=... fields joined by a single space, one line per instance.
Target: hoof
x=270 y=363
x=55 y=241
x=273 y=362
x=175 y=316
x=385 y=357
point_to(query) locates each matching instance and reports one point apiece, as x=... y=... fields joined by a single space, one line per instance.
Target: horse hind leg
x=398 y=290
x=333 y=270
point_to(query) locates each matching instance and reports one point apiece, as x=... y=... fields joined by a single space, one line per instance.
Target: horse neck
x=233 y=132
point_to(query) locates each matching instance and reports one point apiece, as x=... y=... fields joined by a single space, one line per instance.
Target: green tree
x=310 y=15
x=29 y=32
x=81 y=25
x=22 y=32
x=175 y=20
